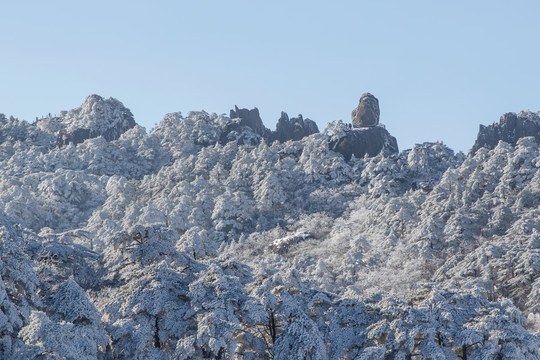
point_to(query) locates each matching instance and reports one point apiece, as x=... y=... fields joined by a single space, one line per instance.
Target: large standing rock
x=96 y=117
x=294 y=128
x=367 y=112
x=367 y=141
x=510 y=129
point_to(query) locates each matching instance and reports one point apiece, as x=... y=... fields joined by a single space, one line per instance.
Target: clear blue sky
x=438 y=68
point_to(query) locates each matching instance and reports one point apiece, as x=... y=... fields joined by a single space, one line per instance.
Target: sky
x=438 y=68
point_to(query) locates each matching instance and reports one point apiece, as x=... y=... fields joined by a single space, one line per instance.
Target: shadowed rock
x=286 y=129
x=249 y=118
x=510 y=129
x=367 y=112
x=368 y=141
x=294 y=128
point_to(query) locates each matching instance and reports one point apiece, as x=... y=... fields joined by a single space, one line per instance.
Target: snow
x=191 y=242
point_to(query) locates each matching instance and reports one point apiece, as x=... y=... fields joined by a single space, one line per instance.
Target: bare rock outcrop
x=510 y=129
x=286 y=129
x=294 y=128
x=366 y=137
x=367 y=112
x=367 y=141
x=250 y=118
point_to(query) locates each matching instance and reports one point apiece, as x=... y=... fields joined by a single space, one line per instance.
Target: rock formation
x=367 y=112
x=510 y=128
x=96 y=117
x=286 y=129
x=249 y=118
x=359 y=142
x=366 y=138
x=294 y=128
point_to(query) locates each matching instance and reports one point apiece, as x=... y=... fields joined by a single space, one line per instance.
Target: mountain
x=213 y=237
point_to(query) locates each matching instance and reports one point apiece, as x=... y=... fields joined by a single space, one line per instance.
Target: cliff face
x=249 y=118
x=359 y=142
x=294 y=128
x=510 y=129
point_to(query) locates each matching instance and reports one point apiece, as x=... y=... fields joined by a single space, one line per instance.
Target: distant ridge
x=510 y=129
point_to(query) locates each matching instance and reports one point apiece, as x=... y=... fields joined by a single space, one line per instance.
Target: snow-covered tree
x=146 y=307
x=342 y=251
x=19 y=287
x=223 y=311
x=73 y=330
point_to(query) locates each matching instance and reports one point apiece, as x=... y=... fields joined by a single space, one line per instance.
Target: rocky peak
x=286 y=129
x=366 y=137
x=294 y=128
x=367 y=112
x=366 y=141
x=250 y=118
x=96 y=117
x=510 y=129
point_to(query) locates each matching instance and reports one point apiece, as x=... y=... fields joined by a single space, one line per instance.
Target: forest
x=202 y=239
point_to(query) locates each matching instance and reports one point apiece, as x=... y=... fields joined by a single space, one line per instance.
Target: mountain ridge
x=307 y=254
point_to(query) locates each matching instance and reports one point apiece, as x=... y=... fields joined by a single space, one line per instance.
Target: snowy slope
x=196 y=241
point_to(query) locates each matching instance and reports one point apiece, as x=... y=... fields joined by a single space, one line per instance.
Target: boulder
x=96 y=117
x=510 y=129
x=294 y=128
x=367 y=141
x=367 y=112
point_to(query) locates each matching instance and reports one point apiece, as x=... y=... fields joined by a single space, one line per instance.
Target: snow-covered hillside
x=208 y=238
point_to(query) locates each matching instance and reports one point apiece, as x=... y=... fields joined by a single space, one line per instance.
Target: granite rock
x=250 y=118
x=510 y=129
x=286 y=129
x=367 y=112
x=367 y=141
x=294 y=128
